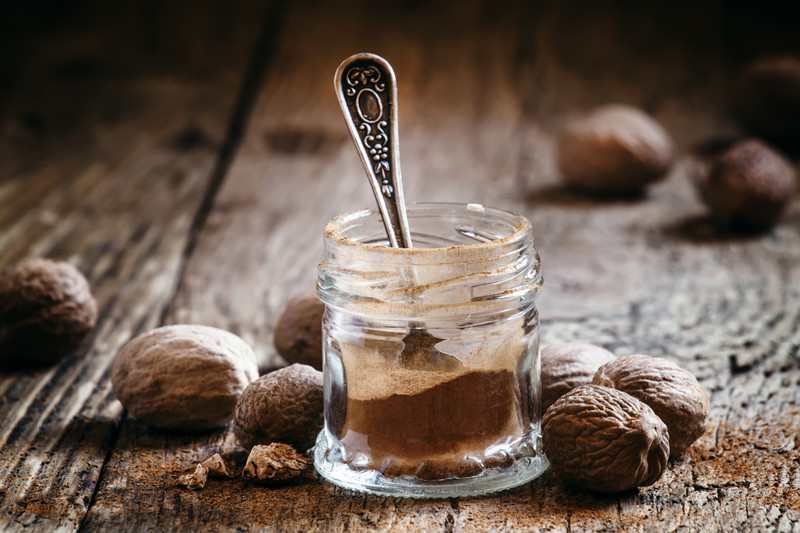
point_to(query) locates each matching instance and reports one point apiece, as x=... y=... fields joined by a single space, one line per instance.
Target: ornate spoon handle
x=367 y=91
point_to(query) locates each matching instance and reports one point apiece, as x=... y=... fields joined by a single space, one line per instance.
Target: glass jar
x=431 y=353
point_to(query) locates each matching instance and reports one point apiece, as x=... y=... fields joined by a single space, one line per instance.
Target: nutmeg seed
x=298 y=331
x=604 y=440
x=282 y=406
x=615 y=149
x=184 y=376
x=565 y=366
x=46 y=311
x=671 y=391
x=748 y=186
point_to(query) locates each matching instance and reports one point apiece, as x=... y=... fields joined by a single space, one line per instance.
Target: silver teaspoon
x=367 y=91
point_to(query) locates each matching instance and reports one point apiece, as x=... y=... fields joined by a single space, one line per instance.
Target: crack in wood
x=257 y=68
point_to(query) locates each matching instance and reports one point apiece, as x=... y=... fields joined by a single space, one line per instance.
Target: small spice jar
x=431 y=353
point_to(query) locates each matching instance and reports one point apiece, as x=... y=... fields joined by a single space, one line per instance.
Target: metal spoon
x=367 y=91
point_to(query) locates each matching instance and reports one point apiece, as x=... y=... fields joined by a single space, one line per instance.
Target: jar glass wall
x=431 y=353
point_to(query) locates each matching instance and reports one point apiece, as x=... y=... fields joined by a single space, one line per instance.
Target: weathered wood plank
x=104 y=164
x=483 y=87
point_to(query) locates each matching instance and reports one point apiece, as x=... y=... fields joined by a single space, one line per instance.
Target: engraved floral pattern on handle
x=367 y=92
x=364 y=85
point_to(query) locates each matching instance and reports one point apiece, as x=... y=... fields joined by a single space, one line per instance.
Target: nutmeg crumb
x=195 y=480
x=214 y=466
x=275 y=462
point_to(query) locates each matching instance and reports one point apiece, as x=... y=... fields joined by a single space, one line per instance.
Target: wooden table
x=185 y=157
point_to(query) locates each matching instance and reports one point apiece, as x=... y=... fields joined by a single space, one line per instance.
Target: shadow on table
x=701 y=229
x=566 y=196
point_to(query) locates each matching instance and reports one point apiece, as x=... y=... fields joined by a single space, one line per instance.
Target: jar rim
x=520 y=229
x=497 y=272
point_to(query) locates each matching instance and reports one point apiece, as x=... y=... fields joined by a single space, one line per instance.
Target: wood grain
x=106 y=169
x=483 y=88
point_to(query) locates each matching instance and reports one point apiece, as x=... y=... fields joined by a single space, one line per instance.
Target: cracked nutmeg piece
x=46 y=311
x=565 y=366
x=604 y=440
x=671 y=391
x=282 y=406
x=214 y=466
x=275 y=462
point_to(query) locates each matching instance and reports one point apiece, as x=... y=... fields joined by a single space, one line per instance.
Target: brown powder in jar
x=442 y=431
x=429 y=424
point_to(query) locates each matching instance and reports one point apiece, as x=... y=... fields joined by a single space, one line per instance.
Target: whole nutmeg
x=766 y=99
x=748 y=186
x=282 y=406
x=184 y=376
x=298 y=332
x=615 y=149
x=46 y=311
x=565 y=366
x=604 y=440
x=671 y=391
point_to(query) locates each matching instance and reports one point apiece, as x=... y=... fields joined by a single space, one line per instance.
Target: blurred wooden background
x=185 y=157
